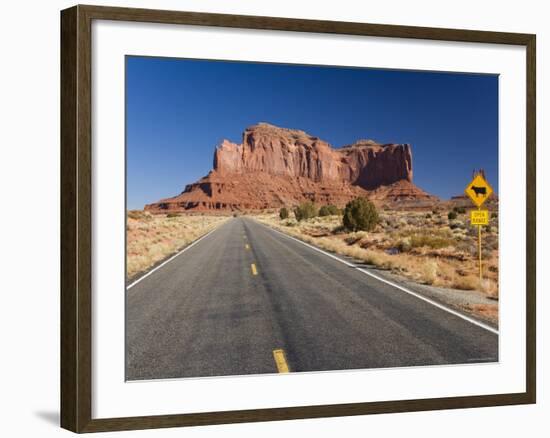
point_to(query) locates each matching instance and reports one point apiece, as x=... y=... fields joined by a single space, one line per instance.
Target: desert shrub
x=323 y=211
x=355 y=238
x=457 y=231
x=329 y=210
x=402 y=222
x=306 y=210
x=459 y=210
x=428 y=216
x=283 y=213
x=404 y=245
x=360 y=214
x=391 y=221
x=172 y=214
x=452 y=215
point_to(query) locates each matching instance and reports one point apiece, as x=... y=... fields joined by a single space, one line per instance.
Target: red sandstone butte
x=275 y=167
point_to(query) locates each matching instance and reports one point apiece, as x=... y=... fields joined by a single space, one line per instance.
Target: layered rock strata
x=275 y=167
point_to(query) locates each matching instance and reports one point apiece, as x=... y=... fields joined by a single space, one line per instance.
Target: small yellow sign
x=479 y=217
x=478 y=190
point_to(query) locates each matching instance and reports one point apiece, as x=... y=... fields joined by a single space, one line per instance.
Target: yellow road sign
x=478 y=190
x=479 y=217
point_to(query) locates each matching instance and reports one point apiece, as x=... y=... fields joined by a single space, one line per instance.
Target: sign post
x=479 y=252
x=479 y=191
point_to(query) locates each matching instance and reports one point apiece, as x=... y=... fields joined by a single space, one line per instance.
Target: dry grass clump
x=430 y=241
x=139 y=214
x=425 y=247
x=466 y=282
x=151 y=238
x=429 y=271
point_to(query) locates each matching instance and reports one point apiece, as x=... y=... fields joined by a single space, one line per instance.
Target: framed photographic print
x=268 y=218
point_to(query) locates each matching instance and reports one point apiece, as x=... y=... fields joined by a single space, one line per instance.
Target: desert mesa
x=275 y=167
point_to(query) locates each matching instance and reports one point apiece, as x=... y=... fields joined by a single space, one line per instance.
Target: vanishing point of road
x=246 y=299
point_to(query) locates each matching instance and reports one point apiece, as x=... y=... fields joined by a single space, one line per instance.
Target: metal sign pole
x=479 y=251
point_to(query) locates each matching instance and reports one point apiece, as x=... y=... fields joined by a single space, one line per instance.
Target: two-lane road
x=249 y=300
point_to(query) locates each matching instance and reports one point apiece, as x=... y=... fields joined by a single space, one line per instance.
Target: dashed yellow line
x=280 y=361
x=253 y=268
x=247 y=246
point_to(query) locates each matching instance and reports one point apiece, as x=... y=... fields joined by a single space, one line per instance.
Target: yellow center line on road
x=280 y=361
x=253 y=268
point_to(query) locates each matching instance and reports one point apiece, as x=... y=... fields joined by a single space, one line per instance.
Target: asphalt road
x=226 y=304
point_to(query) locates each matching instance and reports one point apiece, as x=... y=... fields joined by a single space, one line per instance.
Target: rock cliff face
x=291 y=153
x=275 y=166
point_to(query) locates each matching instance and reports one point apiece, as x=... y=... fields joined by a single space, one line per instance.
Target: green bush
x=452 y=215
x=283 y=213
x=360 y=215
x=171 y=215
x=329 y=210
x=305 y=210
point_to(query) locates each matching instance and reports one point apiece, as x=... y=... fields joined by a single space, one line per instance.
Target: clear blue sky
x=178 y=110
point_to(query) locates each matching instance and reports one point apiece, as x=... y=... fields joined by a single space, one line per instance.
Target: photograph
x=291 y=218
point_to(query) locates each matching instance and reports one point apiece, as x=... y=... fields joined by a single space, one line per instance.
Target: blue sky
x=178 y=110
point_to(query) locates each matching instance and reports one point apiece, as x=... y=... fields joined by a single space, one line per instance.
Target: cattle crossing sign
x=478 y=190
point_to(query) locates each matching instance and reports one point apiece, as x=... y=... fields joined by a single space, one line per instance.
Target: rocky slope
x=274 y=166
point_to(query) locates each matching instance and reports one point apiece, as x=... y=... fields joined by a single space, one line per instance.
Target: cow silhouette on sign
x=479 y=190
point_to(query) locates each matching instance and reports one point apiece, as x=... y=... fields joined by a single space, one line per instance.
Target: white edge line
x=383 y=280
x=170 y=259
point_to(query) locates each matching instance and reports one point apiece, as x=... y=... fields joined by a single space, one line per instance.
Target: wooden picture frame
x=76 y=218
